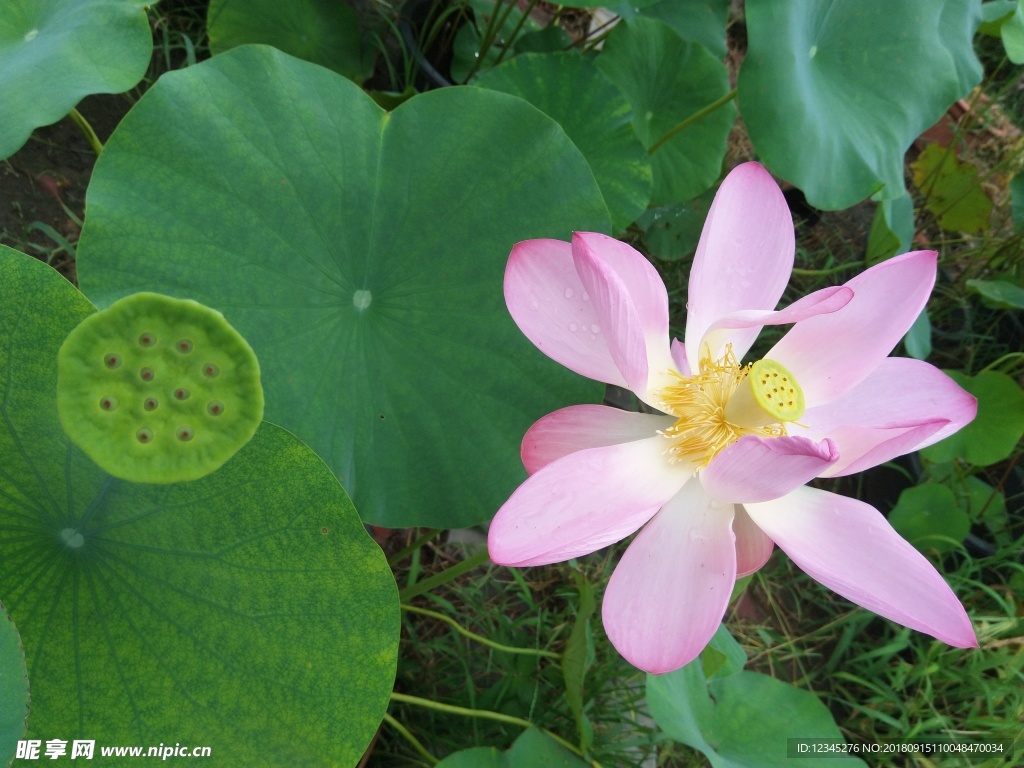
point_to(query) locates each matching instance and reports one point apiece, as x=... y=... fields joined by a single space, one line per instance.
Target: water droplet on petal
x=573 y=327
x=595 y=328
x=586 y=296
x=568 y=293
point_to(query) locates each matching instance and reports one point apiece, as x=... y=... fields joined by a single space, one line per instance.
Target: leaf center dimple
x=361 y=300
x=72 y=538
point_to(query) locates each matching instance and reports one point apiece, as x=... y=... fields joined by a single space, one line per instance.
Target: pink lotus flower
x=717 y=478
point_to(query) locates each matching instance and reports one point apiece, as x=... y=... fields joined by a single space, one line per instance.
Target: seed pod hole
x=210 y=370
x=185 y=433
x=147 y=339
x=108 y=403
x=112 y=360
x=150 y=404
x=181 y=393
x=144 y=435
x=184 y=346
x=146 y=374
x=215 y=407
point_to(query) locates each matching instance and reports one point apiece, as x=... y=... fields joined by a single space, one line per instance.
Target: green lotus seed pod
x=158 y=390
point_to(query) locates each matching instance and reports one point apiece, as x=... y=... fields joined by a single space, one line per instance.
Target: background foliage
x=355 y=230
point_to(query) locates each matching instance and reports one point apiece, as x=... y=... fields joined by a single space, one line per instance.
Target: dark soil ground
x=43 y=184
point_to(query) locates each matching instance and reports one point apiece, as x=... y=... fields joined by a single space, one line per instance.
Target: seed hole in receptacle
x=147 y=339
x=144 y=435
x=210 y=370
x=150 y=404
x=184 y=346
x=215 y=407
x=181 y=394
x=185 y=433
x=112 y=360
x=147 y=374
x=108 y=403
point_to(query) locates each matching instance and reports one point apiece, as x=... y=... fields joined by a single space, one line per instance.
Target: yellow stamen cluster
x=700 y=404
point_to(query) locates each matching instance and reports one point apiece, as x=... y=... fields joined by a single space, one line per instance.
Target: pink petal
x=830 y=354
x=763 y=468
x=585 y=426
x=744 y=257
x=861 y=448
x=899 y=392
x=679 y=357
x=850 y=547
x=825 y=301
x=753 y=547
x=669 y=592
x=584 y=501
x=902 y=406
x=632 y=307
x=548 y=302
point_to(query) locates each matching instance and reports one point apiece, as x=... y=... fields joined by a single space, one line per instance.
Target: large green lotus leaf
x=533 y=748
x=361 y=254
x=701 y=21
x=984 y=503
x=54 y=52
x=667 y=80
x=572 y=91
x=1013 y=35
x=952 y=190
x=833 y=93
x=1000 y=294
x=918 y=340
x=722 y=656
x=325 y=32
x=741 y=720
x=13 y=689
x=247 y=611
x=994 y=14
x=930 y=518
